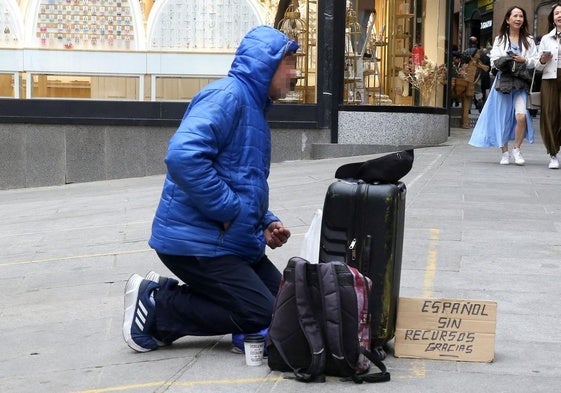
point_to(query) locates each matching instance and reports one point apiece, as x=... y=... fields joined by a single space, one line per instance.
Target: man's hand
x=276 y=234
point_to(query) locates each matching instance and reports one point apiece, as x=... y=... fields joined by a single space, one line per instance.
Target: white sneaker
x=553 y=162
x=518 y=159
x=505 y=159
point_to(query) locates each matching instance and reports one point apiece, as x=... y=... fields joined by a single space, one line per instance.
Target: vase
x=427 y=97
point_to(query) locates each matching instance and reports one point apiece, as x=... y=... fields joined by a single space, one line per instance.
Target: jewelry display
x=85 y=24
x=8 y=36
x=201 y=25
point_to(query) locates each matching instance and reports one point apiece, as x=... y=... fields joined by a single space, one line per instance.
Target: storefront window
x=168 y=49
x=133 y=49
x=399 y=55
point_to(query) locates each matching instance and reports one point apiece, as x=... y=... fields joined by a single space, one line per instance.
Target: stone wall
x=398 y=129
x=36 y=155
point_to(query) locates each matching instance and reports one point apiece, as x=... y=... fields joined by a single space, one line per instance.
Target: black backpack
x=321 y=324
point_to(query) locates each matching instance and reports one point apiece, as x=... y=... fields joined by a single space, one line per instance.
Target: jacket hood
x=258 y=57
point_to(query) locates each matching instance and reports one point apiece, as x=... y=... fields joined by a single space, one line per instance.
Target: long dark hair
x=550 y=16
x=524 y=31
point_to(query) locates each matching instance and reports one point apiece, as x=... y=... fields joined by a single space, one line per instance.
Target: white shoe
x=518 y=159
x=505 y=159
x=553 y=162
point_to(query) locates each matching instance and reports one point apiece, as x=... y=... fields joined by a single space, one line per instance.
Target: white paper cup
x=254 y=345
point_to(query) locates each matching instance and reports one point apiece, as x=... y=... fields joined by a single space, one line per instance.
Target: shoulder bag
x=534 y=97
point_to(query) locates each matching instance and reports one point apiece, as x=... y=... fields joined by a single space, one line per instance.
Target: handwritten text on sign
x=451 y=329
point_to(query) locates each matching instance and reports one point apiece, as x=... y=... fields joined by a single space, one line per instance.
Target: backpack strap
x=330 y=292
x=309 y=326
x=331 y=305
x=382 y=376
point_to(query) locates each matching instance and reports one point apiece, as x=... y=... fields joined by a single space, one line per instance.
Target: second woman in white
x=550 y=62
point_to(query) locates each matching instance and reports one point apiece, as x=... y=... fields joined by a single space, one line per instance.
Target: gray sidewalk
x=473 y=230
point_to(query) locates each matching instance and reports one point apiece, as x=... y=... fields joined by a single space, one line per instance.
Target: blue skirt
x=496 y=123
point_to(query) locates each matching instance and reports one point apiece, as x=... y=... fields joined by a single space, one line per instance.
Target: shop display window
x=116 y=49
x=169 y=49
x=394 y=52
x=136 y=50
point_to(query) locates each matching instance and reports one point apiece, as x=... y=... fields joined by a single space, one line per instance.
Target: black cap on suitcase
x=386 y=169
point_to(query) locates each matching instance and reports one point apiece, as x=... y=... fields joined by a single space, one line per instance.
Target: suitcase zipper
x=352 y=249
x=361 y=189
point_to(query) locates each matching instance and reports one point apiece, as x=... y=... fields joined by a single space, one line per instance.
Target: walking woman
x=550 y=62
x=504 y=117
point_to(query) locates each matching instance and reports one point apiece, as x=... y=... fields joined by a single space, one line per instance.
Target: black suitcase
x=362 y=225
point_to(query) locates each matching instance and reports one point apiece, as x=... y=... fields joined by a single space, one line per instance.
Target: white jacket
x=549 y=43
x=500 y=49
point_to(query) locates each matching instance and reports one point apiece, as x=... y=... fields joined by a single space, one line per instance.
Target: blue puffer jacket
x=218 y=160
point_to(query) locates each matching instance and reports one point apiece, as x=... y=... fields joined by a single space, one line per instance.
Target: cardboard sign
x=446 y=329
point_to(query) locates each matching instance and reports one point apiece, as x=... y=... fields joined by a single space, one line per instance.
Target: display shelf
x=373 y=63
x=404 y=16
x=353 y=92
x=400 y=43
x=299 y=23
x=370 y=73
x=311 y=16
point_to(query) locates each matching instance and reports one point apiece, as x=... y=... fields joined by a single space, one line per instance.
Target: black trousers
x=220 y=296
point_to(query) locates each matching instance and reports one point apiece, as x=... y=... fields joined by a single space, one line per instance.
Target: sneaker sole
x=131 y=299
